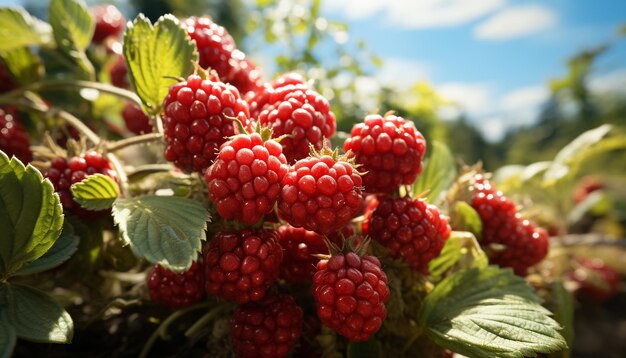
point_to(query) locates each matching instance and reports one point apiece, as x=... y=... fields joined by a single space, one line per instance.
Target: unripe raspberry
x=244 y=181
x=197 y=120
x=176 y=290
x=320 y=193
x=301 y=113
x=410 y=229
x=136 y=120
x=109 y=22
x=13 y=137
x=388 y=149
x=351 y=293
x=269 y=328
x=242 y=266
x=521 y=243
x=65 y=172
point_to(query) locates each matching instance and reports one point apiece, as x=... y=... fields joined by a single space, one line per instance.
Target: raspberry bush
x=184 y=204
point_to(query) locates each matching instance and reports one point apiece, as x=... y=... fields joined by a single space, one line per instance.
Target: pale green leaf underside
x=155 y=56
x=63 y=249
x=166 y=230
x=31 y=216
x=489 y=313
x=72 y=24
x=19 y=29
x=34 y=315
x=97 y=192
x=439 y=172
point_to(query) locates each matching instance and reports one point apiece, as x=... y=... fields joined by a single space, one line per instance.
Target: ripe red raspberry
x=176 y=290
x=522 y=244
x=290 y=78
x=244 y=181
x=109 y=22
x=197 y=120
x=136 y=120
x=65 y=172
x=245 y=75
x=13 y=137
x=269 y=328
x=388 y=149
x=215 y=45
x=119 y=73
x=301 y=248
x=411 y=229
x=303 y=114
x=351 y=293
x=586 y=186
x=242 y=266
x=260 y=97
x=321 y=193
x=7 y=83
x=597 y=281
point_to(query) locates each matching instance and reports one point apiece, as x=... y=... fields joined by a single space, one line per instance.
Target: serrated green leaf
x=31 y=216
x=22 y=29
x=465 y=218
x=62 y=250
x=7 y=335
x=72 y=24
x=368 y=349
x=155 y=55
x=165 y=230
x=96 y=192
x=460 y=252
x=34 y=315
x=489 y=312
x=23 y=65
x=439 y=173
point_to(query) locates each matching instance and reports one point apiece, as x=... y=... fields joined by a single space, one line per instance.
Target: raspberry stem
x=208 y=317
x=135 y=140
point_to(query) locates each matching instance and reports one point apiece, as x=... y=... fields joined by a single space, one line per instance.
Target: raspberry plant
x=201 y=210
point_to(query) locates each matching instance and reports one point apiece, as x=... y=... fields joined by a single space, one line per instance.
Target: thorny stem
x=161 y=331
x=127 y=142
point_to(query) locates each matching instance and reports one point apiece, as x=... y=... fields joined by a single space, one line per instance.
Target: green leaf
x=489 y=312
x=461 y=251
x=63 y=249
x=564 y=314
x=155 y=56
x=465 y=218
x=166 y=230
x=97 y=192
x=31 y=216
x=72 y=24
x=7 y=335
x=22 y=29
x=24 y=66
x=34 y=315
x=367 y=349
x=439 y=173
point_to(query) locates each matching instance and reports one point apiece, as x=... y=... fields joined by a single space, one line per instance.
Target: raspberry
x=411 y=229
x=300 y=249
x=6 y=80
x=215 y=45
x=242 y=266
x=244 y=181
x=389 y=150
x=524 y=244
x=176 y=290
x=586 y=186
x=65 y=172
x=259 y=98
x=109 y=22
x=244 y=75
x=290 y=78
x=119 y=73
x=320 y=193
x=303 y=114
x=198 y=119
x=136 y=120
x=269 y=328
x=351 y=293
x=13 y=137
x=597 y=281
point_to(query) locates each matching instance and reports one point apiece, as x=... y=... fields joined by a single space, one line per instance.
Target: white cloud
x=402 y=72
x=516 y=21
x=611 y=82
x=524 y=98
x=416 y=13
x=474 y=98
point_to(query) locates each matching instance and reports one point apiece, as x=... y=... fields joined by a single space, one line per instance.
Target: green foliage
x=97 y=192
x=489 y=312
x=465 y=218
x=439 y=173
x=460 y=252
x=64 y=247
x=167 y=230
x=22 y=29
x=23 y=64
x=156 y=55
x=564 y=315
x=7 y=336
x=34 y=315
x=30 y=215
x=368 y=349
